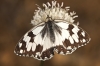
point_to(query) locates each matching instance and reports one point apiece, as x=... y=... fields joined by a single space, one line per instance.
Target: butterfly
x=54 y=31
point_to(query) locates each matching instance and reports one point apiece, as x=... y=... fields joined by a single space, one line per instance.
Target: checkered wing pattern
x=41 y=41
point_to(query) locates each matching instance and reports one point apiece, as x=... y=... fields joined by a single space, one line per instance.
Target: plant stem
x=41 y=63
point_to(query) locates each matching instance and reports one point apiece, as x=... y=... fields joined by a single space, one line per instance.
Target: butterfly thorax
x=49 y=29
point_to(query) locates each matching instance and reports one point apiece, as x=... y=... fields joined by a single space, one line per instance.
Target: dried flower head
x=53 y=11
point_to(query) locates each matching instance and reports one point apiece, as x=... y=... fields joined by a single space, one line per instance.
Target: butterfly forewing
x=34 y=45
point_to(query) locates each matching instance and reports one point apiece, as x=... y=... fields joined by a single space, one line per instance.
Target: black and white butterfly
x=53 y=35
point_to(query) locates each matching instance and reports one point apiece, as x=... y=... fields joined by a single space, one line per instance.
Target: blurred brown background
x=15 y=18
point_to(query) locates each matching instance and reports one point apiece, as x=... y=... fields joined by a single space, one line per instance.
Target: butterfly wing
x=33 y=45
x=64 y=38
x=71 y=38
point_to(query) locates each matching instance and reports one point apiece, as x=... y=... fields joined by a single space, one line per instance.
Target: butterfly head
x=49 y=19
